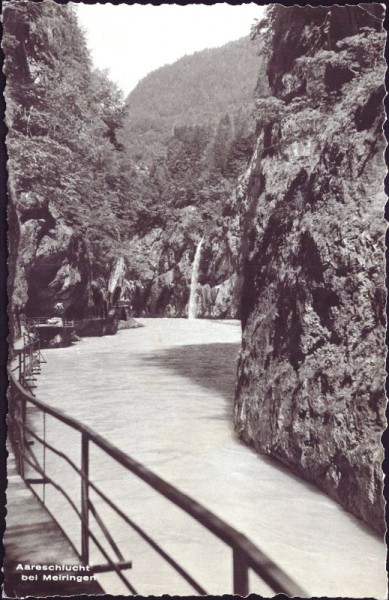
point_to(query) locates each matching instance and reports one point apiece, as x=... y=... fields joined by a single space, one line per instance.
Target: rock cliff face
x=310 y=387
x=63 y=214
x=50 y=260
x=163 y=285
x=159 y=263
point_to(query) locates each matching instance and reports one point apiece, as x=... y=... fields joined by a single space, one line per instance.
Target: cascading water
x=193 y=284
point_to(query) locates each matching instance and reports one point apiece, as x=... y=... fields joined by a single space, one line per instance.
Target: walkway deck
x=33 y=537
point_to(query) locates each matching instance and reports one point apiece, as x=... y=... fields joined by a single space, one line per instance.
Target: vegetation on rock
x=310 y=390
x=62 y=118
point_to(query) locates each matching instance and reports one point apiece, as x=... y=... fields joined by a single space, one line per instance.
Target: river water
x=164 y=395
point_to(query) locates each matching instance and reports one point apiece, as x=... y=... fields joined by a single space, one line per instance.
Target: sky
x=130 y=41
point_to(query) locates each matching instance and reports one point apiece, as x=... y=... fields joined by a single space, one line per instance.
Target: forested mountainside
x=199 y=89
x=190 y=128
x=310 y=388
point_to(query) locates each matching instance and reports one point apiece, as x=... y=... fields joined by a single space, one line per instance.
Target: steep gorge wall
x=50 y=259
x=310 y=387
x=166 y=255
x=65 y=192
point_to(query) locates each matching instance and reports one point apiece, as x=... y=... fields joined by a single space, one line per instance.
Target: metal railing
x=245 y=555
x=33 y=321
x=122 y=304
x=27 y=358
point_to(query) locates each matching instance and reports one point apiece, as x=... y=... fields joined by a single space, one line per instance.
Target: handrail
x=33 y=321
x=29 y=356
x=120 y=513
x=121 y=304
x=96 y=318
x=245 y=554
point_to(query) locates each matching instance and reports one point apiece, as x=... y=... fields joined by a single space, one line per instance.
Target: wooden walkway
x=32 y=537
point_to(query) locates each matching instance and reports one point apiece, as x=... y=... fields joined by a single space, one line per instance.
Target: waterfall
x=193 y=284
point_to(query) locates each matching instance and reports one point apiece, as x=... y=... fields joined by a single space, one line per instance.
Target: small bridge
x=244 y=554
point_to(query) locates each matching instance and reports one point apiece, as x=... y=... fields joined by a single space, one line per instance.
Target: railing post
x=241 y=573
x=84 y=499
x=12 y=409
x=22 y=364
x=22 y=448
x=44 y=457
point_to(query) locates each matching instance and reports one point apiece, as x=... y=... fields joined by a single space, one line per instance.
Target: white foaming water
x=164 y=395
x=192 y=307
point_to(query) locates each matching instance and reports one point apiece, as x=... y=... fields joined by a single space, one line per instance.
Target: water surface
x=164 y=394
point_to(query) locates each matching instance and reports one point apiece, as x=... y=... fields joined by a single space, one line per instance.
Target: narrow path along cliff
x=164 y=394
